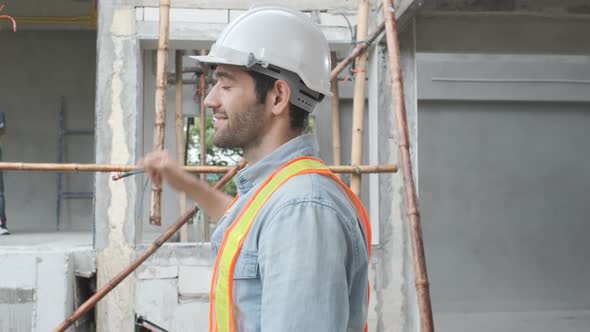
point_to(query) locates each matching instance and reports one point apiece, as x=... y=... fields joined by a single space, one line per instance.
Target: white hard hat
x=279 y=42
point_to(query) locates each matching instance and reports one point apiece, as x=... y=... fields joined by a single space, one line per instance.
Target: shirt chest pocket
x=246 y=265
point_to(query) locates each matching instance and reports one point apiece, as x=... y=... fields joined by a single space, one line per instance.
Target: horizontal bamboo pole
x=48 y=167
x=93 y=300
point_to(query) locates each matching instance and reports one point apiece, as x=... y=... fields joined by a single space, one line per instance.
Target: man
x=292 y=250
x=3 y=227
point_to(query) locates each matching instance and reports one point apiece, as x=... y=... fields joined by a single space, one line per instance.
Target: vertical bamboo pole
x=337 y=150
x=161 y=99
x=203 y=136
x=179 y=121
x=398 y=107
x=359 y=97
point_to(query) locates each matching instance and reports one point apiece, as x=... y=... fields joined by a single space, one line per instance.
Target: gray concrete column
x=117 y=108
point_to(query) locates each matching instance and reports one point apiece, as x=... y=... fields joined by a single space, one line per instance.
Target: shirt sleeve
x=304 y=254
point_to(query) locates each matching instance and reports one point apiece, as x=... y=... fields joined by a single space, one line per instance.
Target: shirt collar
x=251 y=176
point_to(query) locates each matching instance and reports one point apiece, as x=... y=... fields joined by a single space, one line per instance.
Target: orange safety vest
x=221 y=315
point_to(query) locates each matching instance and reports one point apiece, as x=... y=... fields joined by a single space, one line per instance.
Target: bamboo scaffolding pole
x=161 y=100
x=179 y=121
x=91 y=302
x=358 y=106
x=398 y=107
x=360 y=48
x=203 y=136
x=54 y=167
x=335 y=102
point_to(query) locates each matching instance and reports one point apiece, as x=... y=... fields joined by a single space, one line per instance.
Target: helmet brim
x=214 y=60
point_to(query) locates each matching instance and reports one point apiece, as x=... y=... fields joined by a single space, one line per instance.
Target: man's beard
x=245 y=130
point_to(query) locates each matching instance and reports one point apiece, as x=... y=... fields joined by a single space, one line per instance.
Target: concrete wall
x=37 y=69
x=503 y=159
x=505 y=231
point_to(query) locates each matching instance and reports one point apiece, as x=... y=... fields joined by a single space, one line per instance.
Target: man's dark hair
x=263 y=84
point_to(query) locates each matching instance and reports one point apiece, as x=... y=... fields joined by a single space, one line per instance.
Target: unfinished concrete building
x=498 y=100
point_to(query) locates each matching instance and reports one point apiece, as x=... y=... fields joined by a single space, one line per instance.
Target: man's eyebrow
x=224 y=74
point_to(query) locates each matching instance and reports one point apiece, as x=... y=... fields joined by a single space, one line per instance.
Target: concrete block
x=16 y=317
x=188 y=15
x=55 y=286
x=178 y=253
x=156 y=300
x=194 y=280
x=192 y=316
x=157 y=272
x=20 y=270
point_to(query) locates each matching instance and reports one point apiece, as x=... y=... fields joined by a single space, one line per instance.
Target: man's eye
x=226 y=87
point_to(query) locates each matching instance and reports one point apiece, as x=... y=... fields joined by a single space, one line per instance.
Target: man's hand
x=158 y=165
x=161 y=166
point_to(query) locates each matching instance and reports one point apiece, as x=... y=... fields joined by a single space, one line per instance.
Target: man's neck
x=255 y=153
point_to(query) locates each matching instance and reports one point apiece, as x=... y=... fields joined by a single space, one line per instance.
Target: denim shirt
x=304 y=263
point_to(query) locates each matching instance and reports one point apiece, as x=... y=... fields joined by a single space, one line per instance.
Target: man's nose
x=211 y=100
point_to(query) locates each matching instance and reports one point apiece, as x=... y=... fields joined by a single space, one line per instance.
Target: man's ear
x=280 y=94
